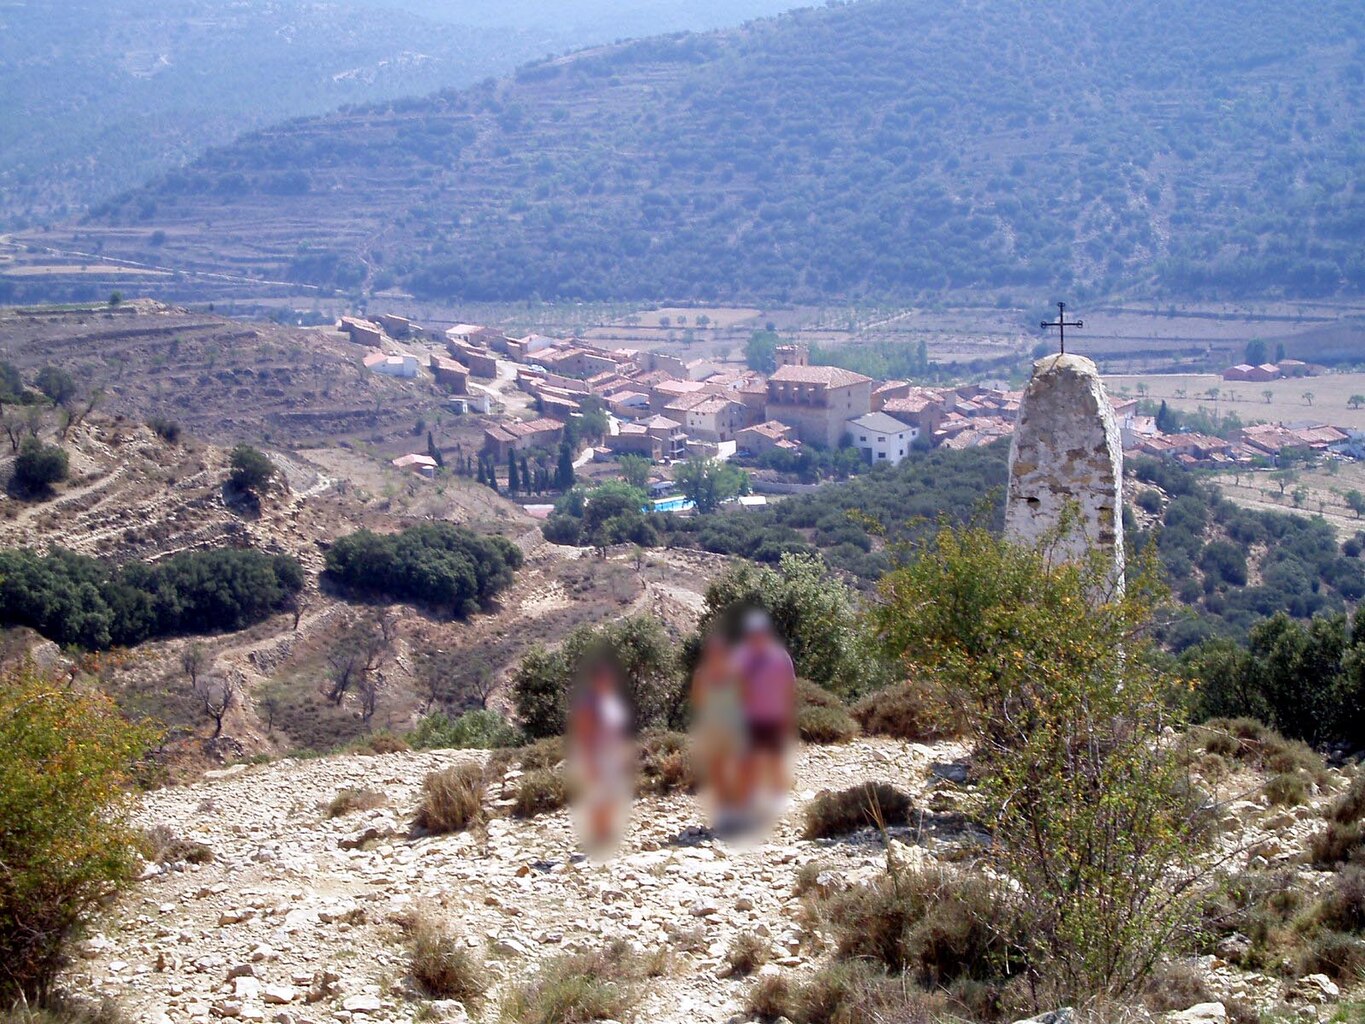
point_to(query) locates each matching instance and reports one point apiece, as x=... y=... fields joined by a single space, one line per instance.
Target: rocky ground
x=293 y=897
x=296 y=917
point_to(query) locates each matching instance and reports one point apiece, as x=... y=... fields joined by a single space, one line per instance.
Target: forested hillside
x=876 y=149
x=100 y=96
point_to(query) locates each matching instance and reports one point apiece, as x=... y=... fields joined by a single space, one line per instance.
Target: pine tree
x=513 y=481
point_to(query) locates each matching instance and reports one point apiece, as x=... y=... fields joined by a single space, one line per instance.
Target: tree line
x=77 y=600
x=436 y=564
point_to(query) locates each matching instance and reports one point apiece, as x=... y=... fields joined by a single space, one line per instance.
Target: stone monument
x=1067 y=452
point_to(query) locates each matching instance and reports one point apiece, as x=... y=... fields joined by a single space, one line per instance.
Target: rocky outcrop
x=1067 y=455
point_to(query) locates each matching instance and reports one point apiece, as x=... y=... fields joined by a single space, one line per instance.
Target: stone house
x=362 y=332
x=764 y=437
x=450 y=375
x=517 y=436
x=709 y=417
x=818 y=401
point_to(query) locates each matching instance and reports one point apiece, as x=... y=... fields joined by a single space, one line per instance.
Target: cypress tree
x=564 y=475
x=513 y=481
x=433 y=451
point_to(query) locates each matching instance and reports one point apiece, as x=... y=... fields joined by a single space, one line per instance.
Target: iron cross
x=1061 y=323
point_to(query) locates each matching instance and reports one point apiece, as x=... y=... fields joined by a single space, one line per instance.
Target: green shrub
x=848 y=993
x=435 y=564
x=89 y=602
x=870 y=804
x=540 y=755
x=167 y=430
x=1337 y=955
x=479 y=729
x=1350 y=806
x=452 y=800
x=1067 y=699
x=1288 y=789
x=821 y=716
x=64 y=843
x=639 y=645
x=938 y=926
x=601 y=984
x=1343 y=904
x=1338 y=843
x=37 y=467
x=251 y=470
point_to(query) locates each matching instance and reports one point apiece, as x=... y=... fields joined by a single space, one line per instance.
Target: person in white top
x=601 y=757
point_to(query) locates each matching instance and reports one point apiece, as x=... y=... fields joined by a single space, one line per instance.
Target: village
x=665 y=408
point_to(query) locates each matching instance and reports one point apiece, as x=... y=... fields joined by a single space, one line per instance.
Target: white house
x=402 y=364
x=881 y=437
x=422 y=465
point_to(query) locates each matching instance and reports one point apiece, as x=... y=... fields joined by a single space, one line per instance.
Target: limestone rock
x=1199 y=1013
x=451 y=1011
x=1063 y=1016
x=1317 y=988
x=362 y=1003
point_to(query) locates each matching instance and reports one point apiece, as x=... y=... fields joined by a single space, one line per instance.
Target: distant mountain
x=100 y=95
x=882 y=149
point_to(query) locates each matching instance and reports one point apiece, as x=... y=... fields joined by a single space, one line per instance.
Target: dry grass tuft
x=848 y=993
x=60 y=1010
x=575 y=988
x=906 y=711
x=452 y=800
x=870 y=804
x=164 y=846
x=443 y=965
x=666 y=764
x=348 y=801
x=539 y=792
x=1175 y=986
x=747 y=953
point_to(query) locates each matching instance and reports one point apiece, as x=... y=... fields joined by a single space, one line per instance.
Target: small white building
x=422 y=465
x=402 y=364
x=882 y=438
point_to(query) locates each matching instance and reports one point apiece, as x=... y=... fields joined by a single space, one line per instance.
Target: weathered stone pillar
x=1066 y=450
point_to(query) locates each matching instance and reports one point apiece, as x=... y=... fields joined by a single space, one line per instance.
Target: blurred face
x=603 y=681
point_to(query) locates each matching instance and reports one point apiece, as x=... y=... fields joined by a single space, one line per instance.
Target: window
x=862 y=437
x=881 y=455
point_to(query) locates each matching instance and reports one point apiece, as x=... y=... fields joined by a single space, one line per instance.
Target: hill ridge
x=877 y=150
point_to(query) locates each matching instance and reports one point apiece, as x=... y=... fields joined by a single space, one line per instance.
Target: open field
x=1287 y=402
x=1317 y=490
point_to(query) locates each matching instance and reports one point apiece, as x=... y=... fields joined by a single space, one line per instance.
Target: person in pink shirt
x=768 y=692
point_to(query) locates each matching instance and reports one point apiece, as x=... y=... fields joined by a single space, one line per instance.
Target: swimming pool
x=677 y=503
